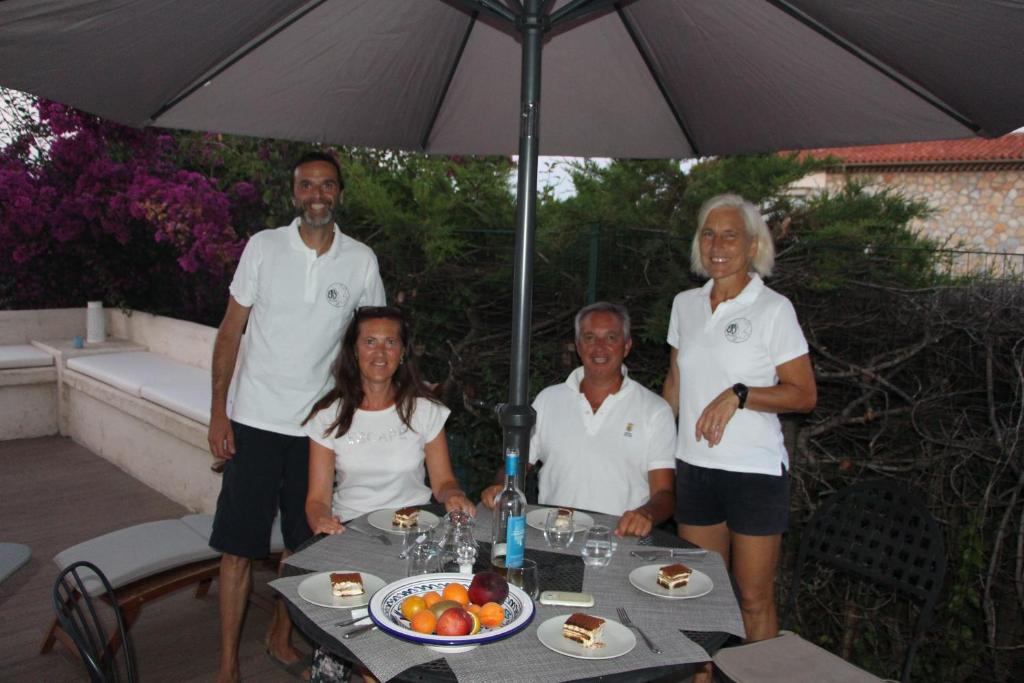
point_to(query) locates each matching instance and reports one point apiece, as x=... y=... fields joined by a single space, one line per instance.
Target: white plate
x=618 y=640
x=386 y=612
x=381 y=519
x=646 y=579
x=581 y=521
x=317 y=590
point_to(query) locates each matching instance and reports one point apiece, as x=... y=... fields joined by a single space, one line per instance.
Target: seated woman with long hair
x=377 y=430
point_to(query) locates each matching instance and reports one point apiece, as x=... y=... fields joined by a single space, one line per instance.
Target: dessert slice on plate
x=405 y=518
x=674 y=576
x=584 y=629
x=345 y=584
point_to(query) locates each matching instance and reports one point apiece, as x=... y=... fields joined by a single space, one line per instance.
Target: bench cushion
x=181 y=388
x=203 y=525
x=133 y=553
x=23 y=356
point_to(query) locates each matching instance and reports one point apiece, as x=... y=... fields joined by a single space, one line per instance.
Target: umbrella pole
x=517 y=417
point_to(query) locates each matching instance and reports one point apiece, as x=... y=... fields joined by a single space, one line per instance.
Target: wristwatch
x=740 y=389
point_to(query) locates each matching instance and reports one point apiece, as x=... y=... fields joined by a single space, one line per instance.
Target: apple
x=454 y=621
x=438 y=608
x=488 y=587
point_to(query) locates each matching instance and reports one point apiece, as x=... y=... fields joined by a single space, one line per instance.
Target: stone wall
x=974 y=210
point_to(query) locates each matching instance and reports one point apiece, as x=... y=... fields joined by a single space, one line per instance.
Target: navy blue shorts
x=268 y=470
x=751 y=504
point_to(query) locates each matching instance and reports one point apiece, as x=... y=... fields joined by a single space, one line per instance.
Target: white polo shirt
x=301 y=305
x=599 y=461
x=379 y=462
x=744 y=340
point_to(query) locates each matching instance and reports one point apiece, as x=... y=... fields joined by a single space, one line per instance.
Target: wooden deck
x=55 y=493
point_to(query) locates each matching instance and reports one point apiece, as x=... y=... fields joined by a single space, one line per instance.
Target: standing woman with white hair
x=738 y=359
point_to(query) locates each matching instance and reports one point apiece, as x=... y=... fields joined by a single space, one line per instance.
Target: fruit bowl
x=386 y=612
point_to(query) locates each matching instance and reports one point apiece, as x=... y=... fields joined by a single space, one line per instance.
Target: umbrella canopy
x=640 y=78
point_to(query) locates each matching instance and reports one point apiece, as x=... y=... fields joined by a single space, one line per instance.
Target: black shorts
x=268 y=470
x=751 y=504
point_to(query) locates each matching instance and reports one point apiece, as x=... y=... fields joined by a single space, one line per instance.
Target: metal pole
x=517 y=417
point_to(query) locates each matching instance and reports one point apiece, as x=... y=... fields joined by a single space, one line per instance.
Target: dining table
x=686 y=631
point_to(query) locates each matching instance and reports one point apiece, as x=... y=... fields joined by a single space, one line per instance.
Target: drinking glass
x=412 y=538
x=525 y=577
x=558 y=530
x=597 y=547
x=424 y=558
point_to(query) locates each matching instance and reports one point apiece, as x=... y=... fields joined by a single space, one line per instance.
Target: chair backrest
x=882 y=532
x=75 y=593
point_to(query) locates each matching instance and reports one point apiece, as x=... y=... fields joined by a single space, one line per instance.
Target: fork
x=378 y=535
x=628 y=623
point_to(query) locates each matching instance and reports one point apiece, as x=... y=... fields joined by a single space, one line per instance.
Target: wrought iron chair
x=877 y=531
x=75 y=593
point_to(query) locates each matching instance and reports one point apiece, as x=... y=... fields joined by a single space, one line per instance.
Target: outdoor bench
x=28 y=392
x=148 y=413
x=150 y=560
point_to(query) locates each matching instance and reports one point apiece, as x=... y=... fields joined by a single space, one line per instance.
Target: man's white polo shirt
x=599 y=461
x=301 y=305
x=744 y=340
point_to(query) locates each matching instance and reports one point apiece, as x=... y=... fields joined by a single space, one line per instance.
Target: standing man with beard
x=293 y=294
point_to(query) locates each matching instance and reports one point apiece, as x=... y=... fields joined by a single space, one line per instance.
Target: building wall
x=974 y=210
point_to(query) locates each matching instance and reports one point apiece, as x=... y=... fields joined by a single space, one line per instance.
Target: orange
x=424 y=622
x=431 y=597
x=491 y=615
x=456 y=592
x=473 y=609
x=412 y=605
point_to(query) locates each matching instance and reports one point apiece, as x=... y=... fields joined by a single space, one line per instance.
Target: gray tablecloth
x=522 y=656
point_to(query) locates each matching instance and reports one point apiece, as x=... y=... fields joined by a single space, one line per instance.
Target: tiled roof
x=1006 y=148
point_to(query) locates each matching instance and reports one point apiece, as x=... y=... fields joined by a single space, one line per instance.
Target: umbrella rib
x=683 y=128
x=447 y=82
x=868 y=59
x=489 y=6
x=206 y=78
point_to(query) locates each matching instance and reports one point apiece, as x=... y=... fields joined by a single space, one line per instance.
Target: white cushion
x=186 y=391
x=203 y=525
x=127 y=371
x=133 y=553
x=181 y=388
x=787 y=658
x=23 y=356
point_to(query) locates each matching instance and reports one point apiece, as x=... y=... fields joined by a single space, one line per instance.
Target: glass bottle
x=509 y=533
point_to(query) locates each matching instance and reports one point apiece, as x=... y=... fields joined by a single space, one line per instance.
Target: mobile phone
x=567 y=598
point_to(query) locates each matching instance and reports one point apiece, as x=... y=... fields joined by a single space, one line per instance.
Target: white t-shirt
x=379 y=462
x=599 y=461
x=744 y=340
x=301 y=305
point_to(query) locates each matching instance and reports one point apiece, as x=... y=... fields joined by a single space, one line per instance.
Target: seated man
x=607 y=443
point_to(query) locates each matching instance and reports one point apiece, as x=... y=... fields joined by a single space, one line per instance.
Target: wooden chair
x=107 y=660
x=876 y=531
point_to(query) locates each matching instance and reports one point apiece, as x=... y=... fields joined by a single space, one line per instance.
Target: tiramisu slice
x=405 y=518
x=584 y=629
x=674 y=576
x=345 y=584
x=564 y=518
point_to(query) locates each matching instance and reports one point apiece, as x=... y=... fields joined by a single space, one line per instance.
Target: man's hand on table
x=635 y=523
x=489 y=495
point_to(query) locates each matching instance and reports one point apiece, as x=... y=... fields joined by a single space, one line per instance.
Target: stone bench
x=28 y=392
x=148 y=414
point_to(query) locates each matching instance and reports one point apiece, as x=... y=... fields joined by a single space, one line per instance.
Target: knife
x=358 y=630
x=666 y=552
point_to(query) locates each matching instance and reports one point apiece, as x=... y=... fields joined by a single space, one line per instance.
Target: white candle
x=95 y=323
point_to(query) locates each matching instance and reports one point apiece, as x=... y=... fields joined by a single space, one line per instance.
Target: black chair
x=75 y=595
x=876 y=531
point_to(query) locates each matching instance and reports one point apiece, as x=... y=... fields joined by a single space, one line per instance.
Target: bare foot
x=228 y=675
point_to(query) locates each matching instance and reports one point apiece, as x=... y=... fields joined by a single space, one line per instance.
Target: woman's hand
x=489 y=495
x=712 y=422
x=459 y=501
x=326 y=525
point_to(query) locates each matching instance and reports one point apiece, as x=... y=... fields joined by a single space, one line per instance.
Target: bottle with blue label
x=509 y=518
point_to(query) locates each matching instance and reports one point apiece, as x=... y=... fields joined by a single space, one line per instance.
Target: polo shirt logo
x=629 y=430
x=738 y=330
x=337 y=294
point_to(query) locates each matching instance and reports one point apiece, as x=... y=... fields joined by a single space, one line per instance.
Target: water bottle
x=509 y=518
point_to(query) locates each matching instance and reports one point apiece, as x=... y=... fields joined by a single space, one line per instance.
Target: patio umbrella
x=640 y=78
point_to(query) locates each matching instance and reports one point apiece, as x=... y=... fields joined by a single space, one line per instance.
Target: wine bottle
x=509 y=533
